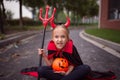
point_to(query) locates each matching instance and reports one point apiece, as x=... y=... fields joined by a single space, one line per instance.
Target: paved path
x=16 y=37
x=25 y=55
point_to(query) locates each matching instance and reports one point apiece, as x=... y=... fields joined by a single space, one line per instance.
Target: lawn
x=14 y=29
x=108 y=34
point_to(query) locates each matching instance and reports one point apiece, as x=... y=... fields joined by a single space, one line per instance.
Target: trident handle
x=45 y=21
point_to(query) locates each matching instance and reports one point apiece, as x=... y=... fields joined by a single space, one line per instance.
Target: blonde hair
x=62 y=26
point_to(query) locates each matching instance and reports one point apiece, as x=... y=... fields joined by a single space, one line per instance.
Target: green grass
x=2 y=36
x=19 y=28
x=14 y=29
x=33 y=27
x=108 y=34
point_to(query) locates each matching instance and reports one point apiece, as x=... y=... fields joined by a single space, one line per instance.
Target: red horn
x=53 y=25
x=67 y=23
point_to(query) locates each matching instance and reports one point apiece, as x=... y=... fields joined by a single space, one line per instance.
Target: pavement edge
x=102 y=45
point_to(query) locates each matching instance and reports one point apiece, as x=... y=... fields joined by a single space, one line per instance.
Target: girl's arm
x=42 y=52
x=70 y=68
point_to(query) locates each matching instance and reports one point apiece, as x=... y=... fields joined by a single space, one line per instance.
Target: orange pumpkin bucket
x=60 y=64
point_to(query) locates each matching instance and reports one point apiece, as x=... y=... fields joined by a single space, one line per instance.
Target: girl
x=61 y=46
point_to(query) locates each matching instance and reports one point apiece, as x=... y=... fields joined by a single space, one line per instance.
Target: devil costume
x=70 y=53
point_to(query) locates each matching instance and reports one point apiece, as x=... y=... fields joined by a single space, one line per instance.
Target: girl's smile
x=60 y=37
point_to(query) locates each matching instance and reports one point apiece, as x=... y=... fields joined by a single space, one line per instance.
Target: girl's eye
x=56 y=36
x=63 y=36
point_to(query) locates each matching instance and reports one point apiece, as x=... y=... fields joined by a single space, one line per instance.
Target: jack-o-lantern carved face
x=60 y=64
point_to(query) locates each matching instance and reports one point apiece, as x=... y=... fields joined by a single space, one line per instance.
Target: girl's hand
x=41 y=52
x=60 y=72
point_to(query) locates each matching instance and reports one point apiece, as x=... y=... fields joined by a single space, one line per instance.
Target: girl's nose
x=59 y=39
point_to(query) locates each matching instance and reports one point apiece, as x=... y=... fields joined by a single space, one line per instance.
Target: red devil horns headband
x=53 y=25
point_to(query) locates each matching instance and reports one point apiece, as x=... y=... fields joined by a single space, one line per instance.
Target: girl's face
x=60 y=37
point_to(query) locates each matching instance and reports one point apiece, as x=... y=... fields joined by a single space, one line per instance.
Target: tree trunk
x=1 y=23
x=20 y=8
x=45 y=2
x=2 y=17
x=33 y=14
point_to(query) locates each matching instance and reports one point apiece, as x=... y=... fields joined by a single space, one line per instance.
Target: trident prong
x=45 y=20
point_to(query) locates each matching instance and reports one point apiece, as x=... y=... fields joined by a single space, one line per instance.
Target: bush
x=15 y=22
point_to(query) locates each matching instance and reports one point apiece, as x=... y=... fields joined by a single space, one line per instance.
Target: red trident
x=45 y=21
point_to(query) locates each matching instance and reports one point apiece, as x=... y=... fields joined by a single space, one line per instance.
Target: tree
x=20 y=8
x=9 y=15
x=93 y=8
x=33 y=6
x=82 y=8
x=2 y=16
x=79 y=8
x=20 y=11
